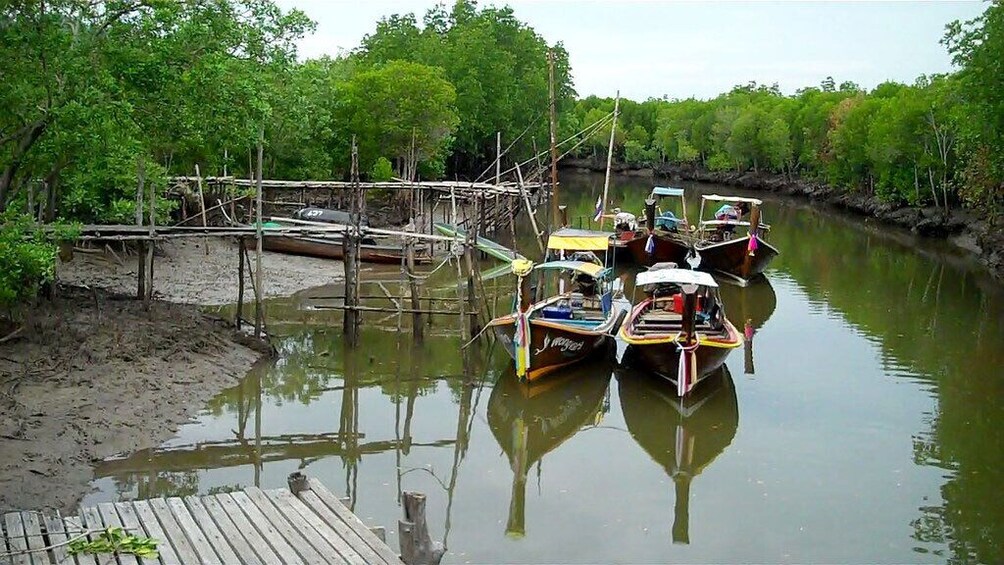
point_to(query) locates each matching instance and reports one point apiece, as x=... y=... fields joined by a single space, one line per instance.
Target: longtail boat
x=562 y=329
x=530 y=420
x=679 y=331
x=666 y=237
x=683 y=436
x=330 y=247
x=742 y=257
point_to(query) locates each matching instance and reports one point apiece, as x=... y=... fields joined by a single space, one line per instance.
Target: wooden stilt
x=240 y=283
x=259 y=312
x=416 y=320
x=202 y=207
x=149 y=250
x=141 y=259
x=417 y=547
x=350 y=323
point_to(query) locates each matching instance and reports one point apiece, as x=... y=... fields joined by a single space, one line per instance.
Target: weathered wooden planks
x=352 y=521
x=245 y=527
x=16 y=539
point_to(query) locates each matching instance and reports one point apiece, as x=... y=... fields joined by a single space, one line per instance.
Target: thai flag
x=650 y=245
x=599 y=209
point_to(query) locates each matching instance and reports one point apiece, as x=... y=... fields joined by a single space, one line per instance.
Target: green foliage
x=28 y=254
x=382 y=170
x=115 y=540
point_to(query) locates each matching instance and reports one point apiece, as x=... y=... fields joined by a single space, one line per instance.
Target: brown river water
x=864 y=421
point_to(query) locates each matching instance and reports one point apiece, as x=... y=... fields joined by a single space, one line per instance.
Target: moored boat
x=742 y=257
x=566 y=328
x=330 y=246
x=679 y=331
x=665 y=238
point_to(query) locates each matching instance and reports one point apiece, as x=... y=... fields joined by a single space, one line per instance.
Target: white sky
x=683 y=49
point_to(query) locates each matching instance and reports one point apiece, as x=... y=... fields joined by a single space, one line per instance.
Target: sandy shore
x=94 y=375
x=185 y=273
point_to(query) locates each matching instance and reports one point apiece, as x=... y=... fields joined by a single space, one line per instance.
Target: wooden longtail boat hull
x=332 y=249
x=732 y=257
x=663 y=359
x=554 y=345
x=667 y=249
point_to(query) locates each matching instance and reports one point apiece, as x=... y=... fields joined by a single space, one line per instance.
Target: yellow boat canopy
x=568 y=239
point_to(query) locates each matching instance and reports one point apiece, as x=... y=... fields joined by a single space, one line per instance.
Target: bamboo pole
x=259 y=312
x=202 y=205
x=416 y=320
x=610 y=155
x=529 y=212
x=141 y=259
x=554 y=148
x=240 y=283
x=149 y=249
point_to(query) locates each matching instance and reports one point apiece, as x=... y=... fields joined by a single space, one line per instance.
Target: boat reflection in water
x=530 y=420
x=682 y=435
x=749 y=307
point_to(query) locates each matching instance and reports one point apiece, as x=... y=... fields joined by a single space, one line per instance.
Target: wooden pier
x=304 y=524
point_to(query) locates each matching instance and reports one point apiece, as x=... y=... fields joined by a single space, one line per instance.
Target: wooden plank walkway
x=252 y=526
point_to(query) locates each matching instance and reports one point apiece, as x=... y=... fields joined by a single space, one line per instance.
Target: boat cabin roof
x=667 y=191
x=586 y=268
x=675 y=276
x=717 y=198
x=571 y=239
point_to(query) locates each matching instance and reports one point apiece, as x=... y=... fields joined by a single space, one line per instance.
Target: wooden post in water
x=610 y=154
x=350 y=324
x=417 y=547
x=141 y=259
x=416 y=317
x=259 y=312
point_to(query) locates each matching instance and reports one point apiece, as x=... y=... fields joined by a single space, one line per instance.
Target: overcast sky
x=683 y=49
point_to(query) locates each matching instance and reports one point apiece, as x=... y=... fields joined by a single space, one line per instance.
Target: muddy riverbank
x=93 y=374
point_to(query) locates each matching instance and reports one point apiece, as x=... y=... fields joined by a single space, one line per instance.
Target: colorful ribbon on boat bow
x=650 y=244
x=521 y=322
x=751 y=248
x=686 y=371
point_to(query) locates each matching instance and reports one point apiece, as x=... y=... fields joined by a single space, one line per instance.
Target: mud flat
x=92 y=374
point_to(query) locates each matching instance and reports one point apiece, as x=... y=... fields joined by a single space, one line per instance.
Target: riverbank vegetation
x=938 y=141
x=96 y=91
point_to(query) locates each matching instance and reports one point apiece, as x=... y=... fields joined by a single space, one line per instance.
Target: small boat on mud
x=330 y=247
x=679 y=331
x=742 y=258
x=568 y=327
x=666 y=237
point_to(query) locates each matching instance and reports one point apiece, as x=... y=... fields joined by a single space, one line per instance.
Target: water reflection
x=531 y=420
x=882 y=421
x=749 y=307
x=682 y=435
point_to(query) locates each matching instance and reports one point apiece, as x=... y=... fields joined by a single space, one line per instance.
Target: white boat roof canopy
x=718 y=198
x=675 y=276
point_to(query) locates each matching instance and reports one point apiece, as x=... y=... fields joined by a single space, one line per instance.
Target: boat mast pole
x=554 y=147
x=610 y=154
